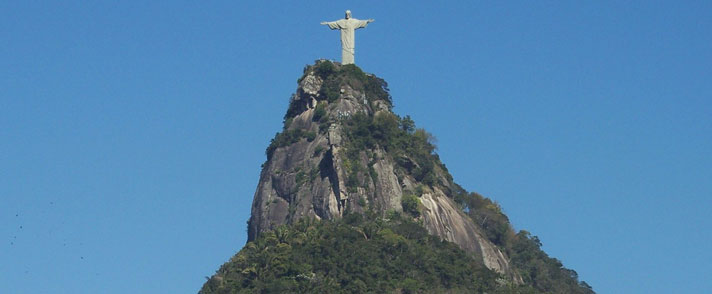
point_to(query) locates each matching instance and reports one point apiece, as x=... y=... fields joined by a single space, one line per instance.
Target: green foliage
x=318 y=150
x=323 y=127
x=407 y=124
x=362 y=201
x=313 y=174
x=411 y=204
x=331 y=86
x=310 y=136
x=372 y=173
x=330 y=90
x=541 y=273
x=320 y=113
x=287 y=138
x=411 y=148
x=419 y=190
x=292 y=111
x=488 y=215
x=544 y=273
x=334 y=78
x=287 y=123
x=353 y=255
x=353 y=167
x=300 y=178
x=324 y=69
x=375 y=88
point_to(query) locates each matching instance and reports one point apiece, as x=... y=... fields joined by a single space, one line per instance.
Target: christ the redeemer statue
x=348 y=42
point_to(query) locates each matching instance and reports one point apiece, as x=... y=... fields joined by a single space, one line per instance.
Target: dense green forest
x=356 y=254
x=365 y=254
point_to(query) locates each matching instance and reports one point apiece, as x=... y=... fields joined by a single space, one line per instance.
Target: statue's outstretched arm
x=362 y=23
x=332 y=24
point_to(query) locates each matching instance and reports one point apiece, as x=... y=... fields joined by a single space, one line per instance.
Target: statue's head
x=348 y=14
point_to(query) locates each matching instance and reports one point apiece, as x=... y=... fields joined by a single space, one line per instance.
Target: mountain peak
x=343 y=149
x=343 y=152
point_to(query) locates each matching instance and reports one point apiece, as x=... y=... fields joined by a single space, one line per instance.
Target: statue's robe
x=348 y=41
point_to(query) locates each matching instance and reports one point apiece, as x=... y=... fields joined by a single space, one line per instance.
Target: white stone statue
x=348 y=42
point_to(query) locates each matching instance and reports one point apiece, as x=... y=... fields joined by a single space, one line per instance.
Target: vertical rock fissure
x=328 y=170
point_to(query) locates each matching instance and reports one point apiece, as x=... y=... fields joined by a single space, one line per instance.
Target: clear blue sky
x=131 y=134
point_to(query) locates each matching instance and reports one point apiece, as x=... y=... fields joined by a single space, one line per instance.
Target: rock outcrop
x=313 y=171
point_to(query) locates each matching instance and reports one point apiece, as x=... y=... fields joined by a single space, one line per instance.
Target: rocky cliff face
x=315 y=170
